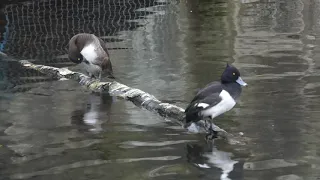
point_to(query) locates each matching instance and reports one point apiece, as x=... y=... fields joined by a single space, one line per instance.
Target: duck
x=92 y=53
x=215 y=99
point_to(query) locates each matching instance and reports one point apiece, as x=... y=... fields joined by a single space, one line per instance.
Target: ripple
x=166 y=170
x=250 y=65
x=274 y=76
x=289 y=177
x=62 y=168
x=50 y=151
x=154 y=144
x=267 y=164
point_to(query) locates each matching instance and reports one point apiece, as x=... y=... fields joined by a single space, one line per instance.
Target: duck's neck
x=233 y=88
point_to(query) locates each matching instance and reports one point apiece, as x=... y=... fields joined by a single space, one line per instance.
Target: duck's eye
x=234 y=74
x=79 y=59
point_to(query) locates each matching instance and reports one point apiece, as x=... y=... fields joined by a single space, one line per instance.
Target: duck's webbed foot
x=83 y=82
x=212 y=134
x=92 y=77
x=99 y=76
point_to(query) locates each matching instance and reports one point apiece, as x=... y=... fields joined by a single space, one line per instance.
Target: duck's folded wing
x=103 y=45
x=103 y=59
x=203 y=104
x=208 y=101
x=192 y=111
x=211 y=88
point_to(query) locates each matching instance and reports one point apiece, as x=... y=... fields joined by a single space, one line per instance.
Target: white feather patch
x=226 y=104
x=203 y=105
x=89 y=52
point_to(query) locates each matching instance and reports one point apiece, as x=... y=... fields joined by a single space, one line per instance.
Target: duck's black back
x=214 y=87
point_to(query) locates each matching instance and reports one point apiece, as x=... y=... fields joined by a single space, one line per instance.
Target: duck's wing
x=102 y=59
x=205 y=102
x=103 y=45
x=193 y=109
x=212 y=88
x=106 y=62
x=82 y=39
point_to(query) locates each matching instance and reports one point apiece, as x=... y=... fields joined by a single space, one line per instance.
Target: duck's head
x=76 y=58
x=231 y=75
x=74 y=51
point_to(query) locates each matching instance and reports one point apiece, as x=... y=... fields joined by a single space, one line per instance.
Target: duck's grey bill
x=241 y=82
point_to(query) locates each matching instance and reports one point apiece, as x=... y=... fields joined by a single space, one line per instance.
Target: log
x=136 y=96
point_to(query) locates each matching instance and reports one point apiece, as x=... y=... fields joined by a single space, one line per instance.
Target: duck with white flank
x=92 y=53
x=216 y=98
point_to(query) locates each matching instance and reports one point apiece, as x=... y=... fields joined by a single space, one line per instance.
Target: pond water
x=59 y=130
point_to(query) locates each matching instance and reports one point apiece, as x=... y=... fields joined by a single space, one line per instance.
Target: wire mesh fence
x=39 y=30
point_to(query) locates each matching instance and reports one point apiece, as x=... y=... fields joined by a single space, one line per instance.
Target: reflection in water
x=213 y=157
x=88 y=117
x=222 y=160
x=171 y=50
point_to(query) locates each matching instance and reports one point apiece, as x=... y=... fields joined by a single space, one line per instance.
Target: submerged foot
x=212 y=134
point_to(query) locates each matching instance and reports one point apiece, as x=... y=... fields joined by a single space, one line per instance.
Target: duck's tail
x=192 y=113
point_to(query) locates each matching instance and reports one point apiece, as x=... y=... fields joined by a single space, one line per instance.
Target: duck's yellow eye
x=234 y=73
x=78 y=59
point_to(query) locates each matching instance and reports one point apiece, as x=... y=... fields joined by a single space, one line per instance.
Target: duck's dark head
x=74 y=51
x=231 y=75
x=76 y=58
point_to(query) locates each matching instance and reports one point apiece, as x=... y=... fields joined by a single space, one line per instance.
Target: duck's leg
x=212 y=134
x=100 y=72
x=92 y=76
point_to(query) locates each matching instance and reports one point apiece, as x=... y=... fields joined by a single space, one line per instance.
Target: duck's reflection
x=209 y=156
x=95 y=111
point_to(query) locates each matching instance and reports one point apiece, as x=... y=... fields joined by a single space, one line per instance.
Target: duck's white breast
x=226 y=104
x=89 y=52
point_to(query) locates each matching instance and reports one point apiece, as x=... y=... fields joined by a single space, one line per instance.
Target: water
x=58 y=130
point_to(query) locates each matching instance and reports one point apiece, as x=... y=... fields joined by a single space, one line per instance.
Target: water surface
x=58 y=130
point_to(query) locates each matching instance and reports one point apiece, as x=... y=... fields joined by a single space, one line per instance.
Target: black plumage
x=217 y=97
